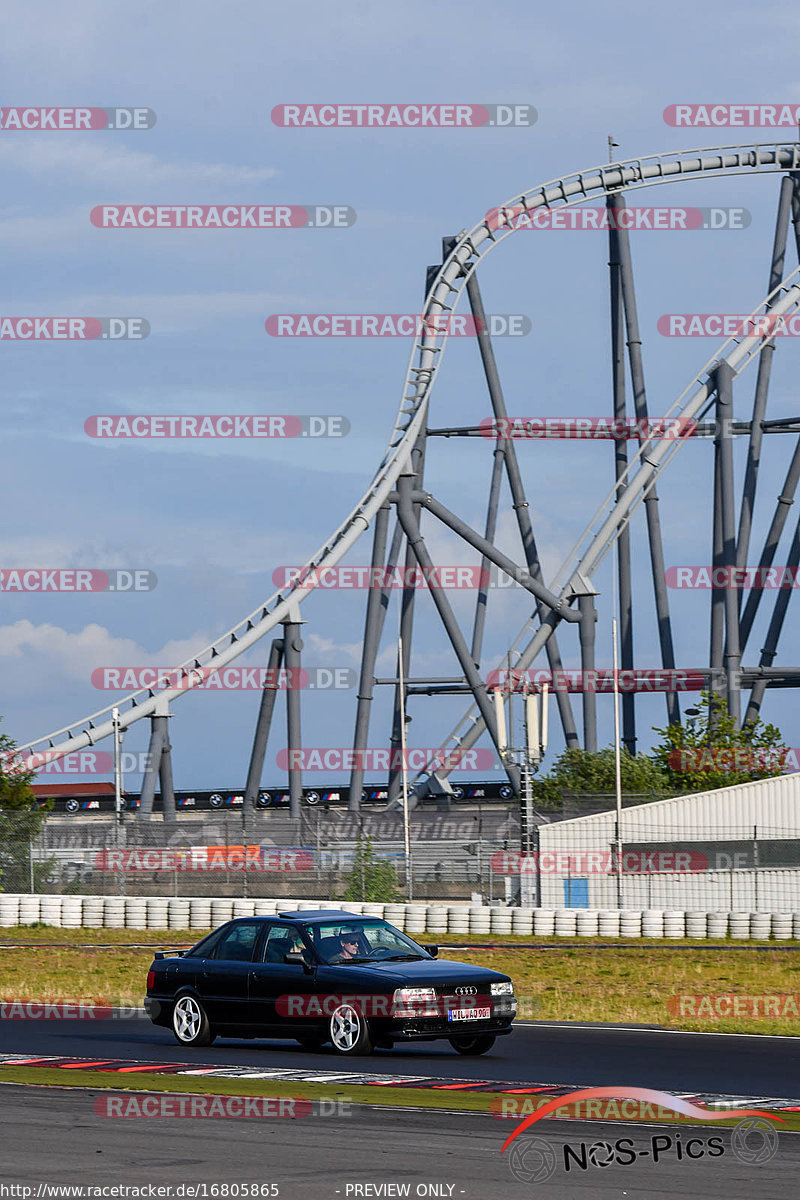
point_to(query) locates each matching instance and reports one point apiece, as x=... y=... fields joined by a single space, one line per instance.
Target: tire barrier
x=417 y=920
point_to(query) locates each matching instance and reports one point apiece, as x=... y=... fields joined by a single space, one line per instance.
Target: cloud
x=114 y=165
x=24 y=645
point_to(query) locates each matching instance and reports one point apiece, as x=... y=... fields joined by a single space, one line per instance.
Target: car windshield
x=358 y=941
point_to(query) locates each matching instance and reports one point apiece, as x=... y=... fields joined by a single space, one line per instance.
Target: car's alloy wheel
x=190 y=1023
x=473 y=1045
x=348 y=1031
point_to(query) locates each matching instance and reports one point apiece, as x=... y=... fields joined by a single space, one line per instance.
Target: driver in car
x=350 y=946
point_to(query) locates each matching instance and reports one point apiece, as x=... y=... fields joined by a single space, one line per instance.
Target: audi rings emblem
x=466 y=991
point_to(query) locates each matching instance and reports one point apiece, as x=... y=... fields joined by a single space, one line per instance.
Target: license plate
x=469 y=1014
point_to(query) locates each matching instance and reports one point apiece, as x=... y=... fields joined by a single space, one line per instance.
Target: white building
x=734 y=848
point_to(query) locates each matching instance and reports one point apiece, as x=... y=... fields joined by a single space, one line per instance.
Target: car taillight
x=151 y=980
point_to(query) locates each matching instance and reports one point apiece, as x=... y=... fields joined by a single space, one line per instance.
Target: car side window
x=280 y=941
x=205 y=949
x=237 y=943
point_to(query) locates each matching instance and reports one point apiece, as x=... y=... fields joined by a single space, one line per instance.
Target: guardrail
x=195 y=913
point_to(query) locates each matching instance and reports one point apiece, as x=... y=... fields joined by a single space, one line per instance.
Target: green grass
x=564 y=980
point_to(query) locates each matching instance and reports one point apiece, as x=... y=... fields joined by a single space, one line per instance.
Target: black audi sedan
x=325 y=977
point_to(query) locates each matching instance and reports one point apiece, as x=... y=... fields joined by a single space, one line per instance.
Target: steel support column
x=587 y=638
x=724 y=438
x=373 y=626
x=717 y=636
x=490 y=529
x=762 y=381
x=785 y=501
x=406 y=630
x=620 y=466
x=408 y=519
x=490 y=552
x=263 y=725
x=165 y=777
x=651 y=498
x=159 y=740
x=292 y=646
x=521 y=509
x=774 y=632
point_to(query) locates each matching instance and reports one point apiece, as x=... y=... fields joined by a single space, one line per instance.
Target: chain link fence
x=461 y=857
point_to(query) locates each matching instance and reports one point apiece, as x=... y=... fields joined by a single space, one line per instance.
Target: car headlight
x=503 y=989
x=414 y=1002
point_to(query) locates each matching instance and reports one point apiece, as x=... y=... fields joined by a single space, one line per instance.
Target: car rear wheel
x=473 y=1045
x=348 y=1031
x=190 y=1022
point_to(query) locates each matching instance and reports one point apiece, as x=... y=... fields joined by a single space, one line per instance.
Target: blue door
x=576 y=893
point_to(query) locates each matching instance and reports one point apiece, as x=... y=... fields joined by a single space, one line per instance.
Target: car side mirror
x=297 y=958
x=432 y=950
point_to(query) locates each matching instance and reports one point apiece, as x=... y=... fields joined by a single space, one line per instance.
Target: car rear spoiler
x=169 y=953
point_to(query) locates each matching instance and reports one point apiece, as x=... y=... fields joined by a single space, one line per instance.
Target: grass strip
x=559 y=980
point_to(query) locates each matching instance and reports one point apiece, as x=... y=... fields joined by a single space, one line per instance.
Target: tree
x=20 y=823
x=371 y=879
x=712 y=753
x=593 y=772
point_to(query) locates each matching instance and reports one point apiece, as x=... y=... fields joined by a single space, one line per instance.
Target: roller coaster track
x=424 y=364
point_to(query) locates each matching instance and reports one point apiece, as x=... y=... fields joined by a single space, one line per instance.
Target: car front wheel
x=190 y=1022
x=473 y=1045
x=348 y=1031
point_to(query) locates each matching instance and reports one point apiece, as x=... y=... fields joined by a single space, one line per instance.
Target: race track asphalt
x=579 y=1055
x=54 y=1137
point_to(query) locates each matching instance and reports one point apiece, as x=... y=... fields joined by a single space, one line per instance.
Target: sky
x=213 y=520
